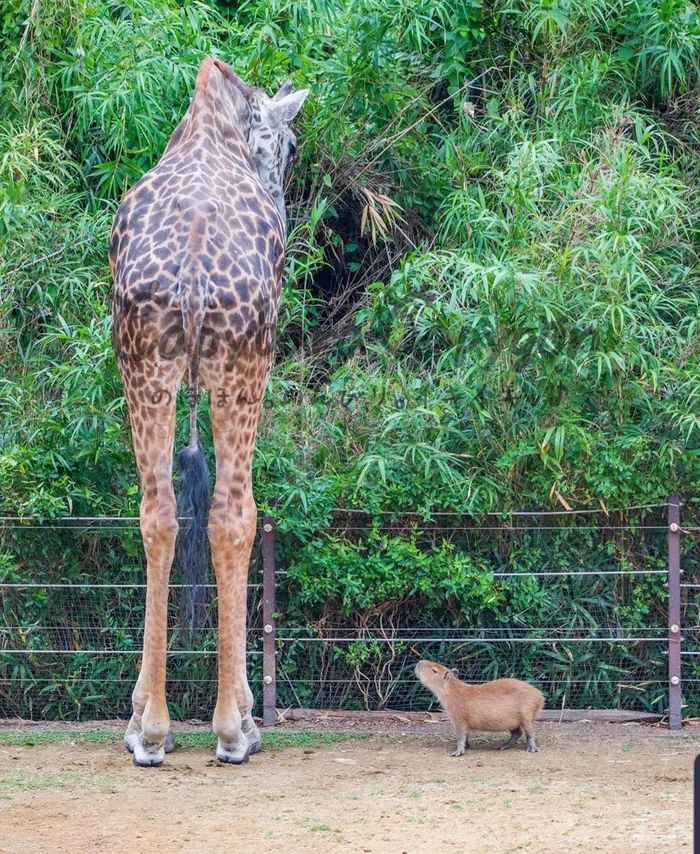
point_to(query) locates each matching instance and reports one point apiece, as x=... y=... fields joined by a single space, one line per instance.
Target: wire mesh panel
x=690 y=630
x=372 y=667
x=587 y=623
x=577 y=606
x=72 y=649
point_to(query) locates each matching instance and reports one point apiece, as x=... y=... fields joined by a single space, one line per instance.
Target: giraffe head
x=271 y=141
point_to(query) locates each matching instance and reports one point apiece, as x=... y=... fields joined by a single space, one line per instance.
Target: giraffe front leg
x=153 y=431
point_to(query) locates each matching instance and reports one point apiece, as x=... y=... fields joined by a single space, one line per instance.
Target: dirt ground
x=592 y=787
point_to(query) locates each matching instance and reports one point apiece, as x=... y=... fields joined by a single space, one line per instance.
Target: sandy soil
x=592 y=787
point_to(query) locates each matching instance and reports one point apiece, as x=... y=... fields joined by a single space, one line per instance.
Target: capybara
x=504 y=704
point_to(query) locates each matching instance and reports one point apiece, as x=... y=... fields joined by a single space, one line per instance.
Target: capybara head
x=436 y=677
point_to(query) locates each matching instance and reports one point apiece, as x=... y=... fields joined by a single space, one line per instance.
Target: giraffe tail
x=193 y=492
x=192 y=543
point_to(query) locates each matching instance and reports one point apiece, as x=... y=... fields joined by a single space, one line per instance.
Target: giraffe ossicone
x=197 y=255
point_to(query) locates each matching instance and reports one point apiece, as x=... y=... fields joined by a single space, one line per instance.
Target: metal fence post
x=674 y=612
x=268 y=609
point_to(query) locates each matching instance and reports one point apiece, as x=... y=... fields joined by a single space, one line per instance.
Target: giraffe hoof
x=233 y=755
x=130 y=740
x=148 y=762
x=169 y=744
x=148 y=755
x=252 y=733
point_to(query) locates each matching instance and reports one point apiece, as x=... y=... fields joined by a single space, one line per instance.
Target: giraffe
x=196 y=254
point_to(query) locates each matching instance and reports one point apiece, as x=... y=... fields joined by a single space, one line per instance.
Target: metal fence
x=78 y=654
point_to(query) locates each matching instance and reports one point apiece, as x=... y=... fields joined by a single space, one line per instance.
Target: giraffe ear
x=285 y=89
x=232 y=77
x=288 y=106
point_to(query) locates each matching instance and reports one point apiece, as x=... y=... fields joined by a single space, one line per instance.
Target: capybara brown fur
x=504 y=704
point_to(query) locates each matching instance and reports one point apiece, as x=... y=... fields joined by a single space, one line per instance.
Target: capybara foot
x=531 y=746
x=513 y=740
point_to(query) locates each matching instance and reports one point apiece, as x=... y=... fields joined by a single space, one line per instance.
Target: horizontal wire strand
x=107 y=652
x=458 y=513
x=426 y=530
x=90 y=586
x=141 y=586
x=635 y=683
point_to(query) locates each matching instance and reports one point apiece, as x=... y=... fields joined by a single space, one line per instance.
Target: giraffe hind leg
x=153 y=430
x=232 y=524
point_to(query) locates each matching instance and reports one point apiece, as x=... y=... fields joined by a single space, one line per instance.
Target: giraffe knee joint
x=162 y=526
x=222 y=531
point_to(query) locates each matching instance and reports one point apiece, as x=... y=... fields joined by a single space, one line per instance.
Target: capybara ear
x=454 y=672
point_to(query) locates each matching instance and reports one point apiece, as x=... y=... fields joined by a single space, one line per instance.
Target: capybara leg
x=531 y=746
x=462 y=743
x=513 y=740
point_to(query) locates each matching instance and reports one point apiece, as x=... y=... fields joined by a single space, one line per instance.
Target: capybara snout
x=430 y=672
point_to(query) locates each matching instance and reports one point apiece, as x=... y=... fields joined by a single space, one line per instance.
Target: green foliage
x=381 y=570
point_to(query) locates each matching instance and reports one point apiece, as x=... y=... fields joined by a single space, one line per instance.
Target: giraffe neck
x=217 y=124
x=217 y=121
